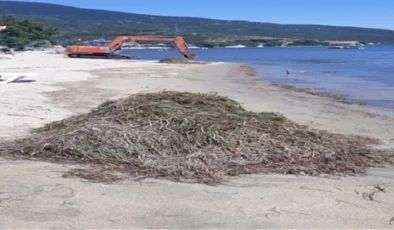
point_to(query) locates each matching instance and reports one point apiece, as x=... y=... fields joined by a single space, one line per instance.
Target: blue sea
x=365 y=75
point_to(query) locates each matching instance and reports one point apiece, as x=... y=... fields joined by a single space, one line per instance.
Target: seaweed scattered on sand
x=249 y=71
x=173 y=60
x=334 y=96
x=93 y=174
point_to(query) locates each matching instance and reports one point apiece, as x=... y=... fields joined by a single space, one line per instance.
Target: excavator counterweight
x=108 y=51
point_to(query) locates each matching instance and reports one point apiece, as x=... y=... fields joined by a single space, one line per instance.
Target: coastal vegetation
x=22 y=32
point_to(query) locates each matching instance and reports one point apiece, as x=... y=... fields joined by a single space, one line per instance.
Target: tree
x=22 y=32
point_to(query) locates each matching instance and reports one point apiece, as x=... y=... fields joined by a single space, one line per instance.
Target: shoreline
x=334 y=97
x=337 y=97
x=68 y=87
x=329 y=93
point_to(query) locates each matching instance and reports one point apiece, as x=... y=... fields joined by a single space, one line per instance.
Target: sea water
x=365 y=75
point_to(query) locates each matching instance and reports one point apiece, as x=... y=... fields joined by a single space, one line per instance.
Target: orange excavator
x=108 y=51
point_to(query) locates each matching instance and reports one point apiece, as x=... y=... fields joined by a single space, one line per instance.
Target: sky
x=362 y=13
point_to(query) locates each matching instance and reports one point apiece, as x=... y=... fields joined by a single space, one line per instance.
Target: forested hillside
x=21 y=32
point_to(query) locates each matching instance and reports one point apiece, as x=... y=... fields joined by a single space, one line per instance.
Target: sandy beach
x=34 y=195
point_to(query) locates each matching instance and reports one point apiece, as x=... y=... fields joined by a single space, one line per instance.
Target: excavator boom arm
x=180 y=43
x=116 y=43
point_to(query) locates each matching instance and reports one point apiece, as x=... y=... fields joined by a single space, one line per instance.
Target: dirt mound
x=199 y=137
x=172 y=60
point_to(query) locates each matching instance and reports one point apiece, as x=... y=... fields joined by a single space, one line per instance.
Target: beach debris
x=391 y=220
x=273 y=211
x=380 y=189
x=370 y=195
x=16 y=77
x=333 y=96
x=355 y=205
x=93 y=175
x=173 y=60
x=193 y=137
x=249 y=71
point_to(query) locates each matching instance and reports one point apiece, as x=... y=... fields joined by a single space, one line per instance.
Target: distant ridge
x=89 y=23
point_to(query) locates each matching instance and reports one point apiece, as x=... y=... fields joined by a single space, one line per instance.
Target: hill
x=22 y=32
x=88 y=24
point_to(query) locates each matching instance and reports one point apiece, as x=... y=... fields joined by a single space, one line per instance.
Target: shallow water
x=365 y=75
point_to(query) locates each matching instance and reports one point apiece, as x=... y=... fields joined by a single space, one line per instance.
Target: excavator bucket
x=190 y=56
